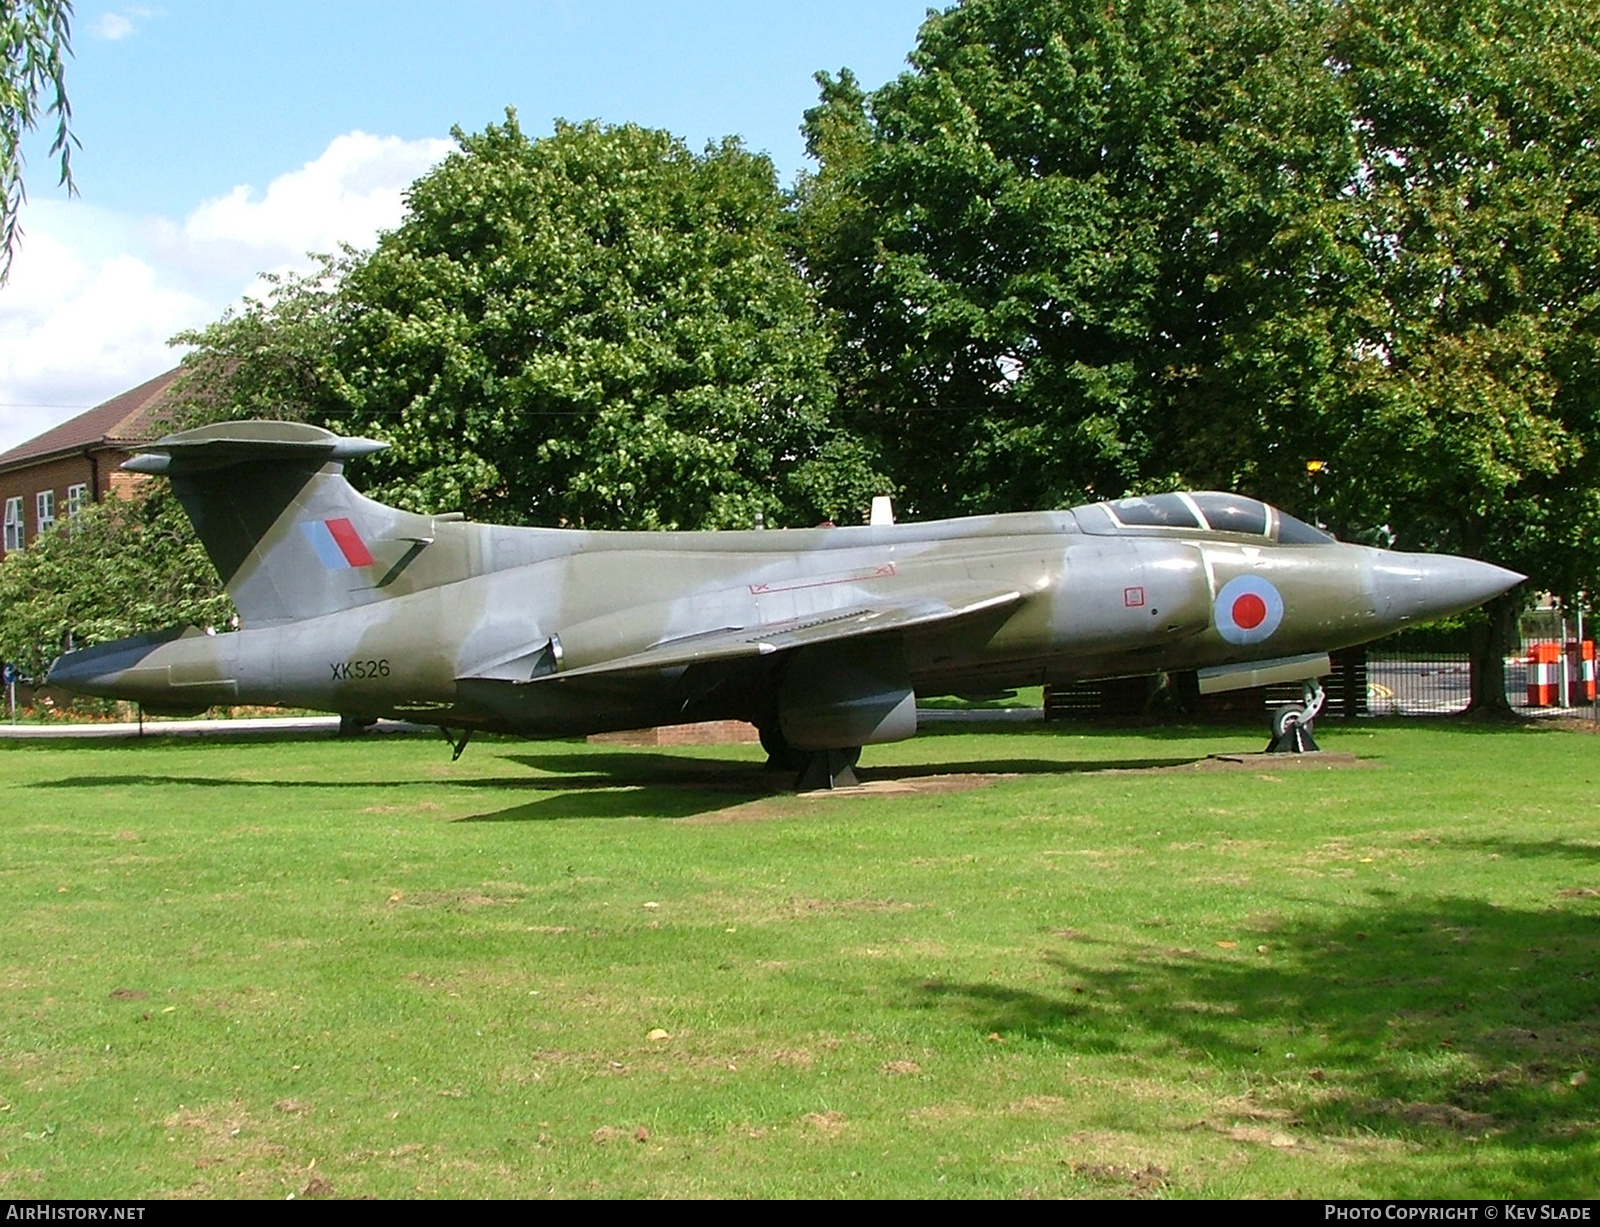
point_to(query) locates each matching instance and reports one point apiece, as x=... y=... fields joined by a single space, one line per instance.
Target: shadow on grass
x=627 y=784
x=1529 y=849
x=1440 y=1022
x=647 y=768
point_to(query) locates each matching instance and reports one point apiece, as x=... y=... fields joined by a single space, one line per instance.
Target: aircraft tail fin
x=290 y=537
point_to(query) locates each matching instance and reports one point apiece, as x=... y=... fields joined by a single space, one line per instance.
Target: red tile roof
x=132 y=417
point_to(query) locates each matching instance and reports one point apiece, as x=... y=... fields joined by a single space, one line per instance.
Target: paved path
x=267 y=726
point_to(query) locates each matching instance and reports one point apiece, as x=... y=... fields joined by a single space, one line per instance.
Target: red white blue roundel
x=1249 y=609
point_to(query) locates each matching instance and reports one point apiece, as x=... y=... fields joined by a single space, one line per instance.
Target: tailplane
x=290 y=537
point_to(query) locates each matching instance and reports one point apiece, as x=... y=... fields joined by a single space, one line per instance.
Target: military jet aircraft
x=820 y=637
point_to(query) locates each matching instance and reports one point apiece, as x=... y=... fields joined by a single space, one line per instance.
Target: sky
x=223 y=139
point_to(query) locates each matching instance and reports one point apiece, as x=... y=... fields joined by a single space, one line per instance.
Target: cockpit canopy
x=1205 y=511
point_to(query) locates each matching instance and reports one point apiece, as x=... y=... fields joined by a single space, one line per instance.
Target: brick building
x=50 y=477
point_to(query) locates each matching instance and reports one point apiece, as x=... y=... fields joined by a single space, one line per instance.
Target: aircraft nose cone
x=1420 y=587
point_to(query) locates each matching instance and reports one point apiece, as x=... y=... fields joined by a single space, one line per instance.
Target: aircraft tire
x=1285 y=718
x=781 y=756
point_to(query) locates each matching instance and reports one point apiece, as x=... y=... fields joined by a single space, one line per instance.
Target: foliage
x=1477 y=386
x=126 y=566
x=1079 y=245
x=1206 y=240
x=35 y=41
x=597 y=329
x=1480 y=195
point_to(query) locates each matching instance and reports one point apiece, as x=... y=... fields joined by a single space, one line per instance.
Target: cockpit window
x=1297 y=532
x=1157 y=511
x=1233 y=513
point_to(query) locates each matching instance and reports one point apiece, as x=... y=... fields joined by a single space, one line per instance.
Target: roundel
x=1249 y=609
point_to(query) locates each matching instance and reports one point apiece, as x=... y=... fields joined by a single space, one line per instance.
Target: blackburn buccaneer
x=820 y=637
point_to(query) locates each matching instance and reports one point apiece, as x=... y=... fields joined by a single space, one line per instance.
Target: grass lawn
x=1034 y=962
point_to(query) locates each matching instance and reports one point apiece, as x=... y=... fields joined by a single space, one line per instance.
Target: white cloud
x=350 y=193
x=94 y=296
x=112 y=26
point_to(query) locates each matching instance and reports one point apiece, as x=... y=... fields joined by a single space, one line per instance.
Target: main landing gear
x=1291 y=725
x=816 y=768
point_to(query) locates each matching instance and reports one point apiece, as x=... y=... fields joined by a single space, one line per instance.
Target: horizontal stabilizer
x=750 y=642
x=223 y=444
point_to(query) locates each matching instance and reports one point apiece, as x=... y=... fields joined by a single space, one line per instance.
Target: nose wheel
x=1291 y=725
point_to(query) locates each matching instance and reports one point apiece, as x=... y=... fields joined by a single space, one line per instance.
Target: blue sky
x=221 y=140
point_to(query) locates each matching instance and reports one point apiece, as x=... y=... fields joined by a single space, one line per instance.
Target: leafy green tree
x=35 y=41
x=1476 y=394
x=126 y=566
x=597 y=329
x=1080 y=248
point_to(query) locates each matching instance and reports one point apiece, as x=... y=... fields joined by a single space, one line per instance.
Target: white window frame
x=44 y=512
x=77 y=498
x=14 y=526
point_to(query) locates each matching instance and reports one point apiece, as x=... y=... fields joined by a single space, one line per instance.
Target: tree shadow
x=1529 y=849
x=1414 y=1021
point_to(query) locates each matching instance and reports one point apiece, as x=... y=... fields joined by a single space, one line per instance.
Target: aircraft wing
x=746 y=642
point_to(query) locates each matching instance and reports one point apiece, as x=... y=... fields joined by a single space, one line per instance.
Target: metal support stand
x=1291 y=725
x=828 y=769
x=458 y=743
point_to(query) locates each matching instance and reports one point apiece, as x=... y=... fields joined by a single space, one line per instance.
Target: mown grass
x=1018 y=963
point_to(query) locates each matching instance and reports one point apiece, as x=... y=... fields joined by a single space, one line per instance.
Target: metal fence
x=1401 y=683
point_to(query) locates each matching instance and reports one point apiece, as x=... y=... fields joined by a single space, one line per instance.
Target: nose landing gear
x=1291 y=725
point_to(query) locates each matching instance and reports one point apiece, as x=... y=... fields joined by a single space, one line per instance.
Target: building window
x=44 y=507
x=13 y=525
x=77 y=498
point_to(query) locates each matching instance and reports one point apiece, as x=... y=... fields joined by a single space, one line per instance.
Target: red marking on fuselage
x=882 y=572
x=350 y=543
x=1249 y=611
x=1133 y=598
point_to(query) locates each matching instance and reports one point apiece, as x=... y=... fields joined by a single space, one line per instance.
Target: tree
x=597 y=329
x=1059 y=243
x=35 y=39
x=125 y=566
x=1477 y=385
